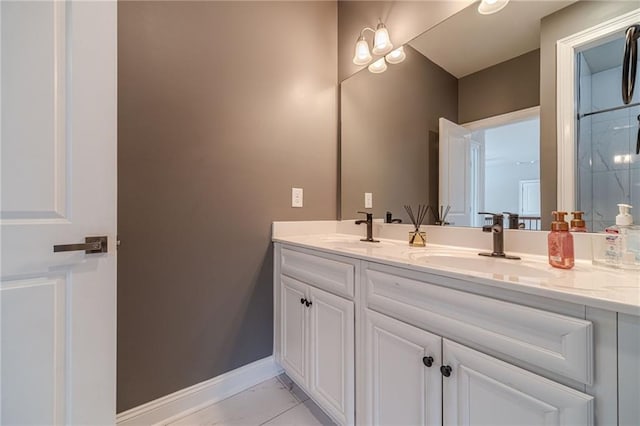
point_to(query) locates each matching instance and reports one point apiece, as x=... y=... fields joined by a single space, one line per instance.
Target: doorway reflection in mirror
x=492 y=165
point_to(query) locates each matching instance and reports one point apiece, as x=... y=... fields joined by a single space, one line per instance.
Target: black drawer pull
x=445 y=370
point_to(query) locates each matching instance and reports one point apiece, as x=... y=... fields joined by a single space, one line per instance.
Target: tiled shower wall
x=608 y=169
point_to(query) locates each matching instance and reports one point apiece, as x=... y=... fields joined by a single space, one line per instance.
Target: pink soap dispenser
x=577 y=223
x=560 y=243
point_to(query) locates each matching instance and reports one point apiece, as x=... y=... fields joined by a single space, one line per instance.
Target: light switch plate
x=296 y=197
x=368 y=200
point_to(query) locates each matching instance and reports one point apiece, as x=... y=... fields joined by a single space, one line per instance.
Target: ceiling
x=605 y=56
x=469 y=42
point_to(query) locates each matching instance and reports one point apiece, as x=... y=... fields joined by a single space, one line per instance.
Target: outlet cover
x=296 y=197
x=368 y=200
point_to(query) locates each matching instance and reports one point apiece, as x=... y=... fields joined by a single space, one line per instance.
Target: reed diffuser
x=417 y=238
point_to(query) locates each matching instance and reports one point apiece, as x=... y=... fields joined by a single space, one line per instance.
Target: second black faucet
x=369 y=222
x=497 y=228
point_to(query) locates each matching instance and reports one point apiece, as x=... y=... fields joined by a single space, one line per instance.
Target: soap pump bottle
x=560 y=243
x=623 y=219
x=618 y=250
x=577 y=223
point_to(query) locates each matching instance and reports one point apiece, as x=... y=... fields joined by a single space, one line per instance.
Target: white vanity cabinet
x=316 y=329
x=294 y=328
x=375 y=343
x=476 y=388
x=401 y=377
x=413 y=377
x=481 y=390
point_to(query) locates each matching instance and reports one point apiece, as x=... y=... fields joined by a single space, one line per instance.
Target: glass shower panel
x=608 y=169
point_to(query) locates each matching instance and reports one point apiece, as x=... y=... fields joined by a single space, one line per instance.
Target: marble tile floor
x=277 y=401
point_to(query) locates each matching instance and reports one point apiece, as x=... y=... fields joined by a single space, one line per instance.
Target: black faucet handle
x=514 y=219
x=497 y=217
x=369 y=215
x=389 y=218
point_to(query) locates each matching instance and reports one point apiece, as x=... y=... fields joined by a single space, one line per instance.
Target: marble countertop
x=585 y=284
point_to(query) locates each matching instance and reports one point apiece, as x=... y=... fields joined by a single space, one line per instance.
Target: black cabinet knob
x=308 y=303
x=428 y=361
x=302 y=301
x=445 y=370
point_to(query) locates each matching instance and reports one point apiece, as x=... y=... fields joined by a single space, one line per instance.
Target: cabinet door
x=293 y=329
x=482 y=390
x=332 y=354
x=400 y=389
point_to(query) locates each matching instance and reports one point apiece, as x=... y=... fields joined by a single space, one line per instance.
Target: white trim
x=508 y=118
x=185 y=401
x=566 y=49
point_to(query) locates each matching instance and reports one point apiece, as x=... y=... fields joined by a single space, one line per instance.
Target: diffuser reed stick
x=417 y=220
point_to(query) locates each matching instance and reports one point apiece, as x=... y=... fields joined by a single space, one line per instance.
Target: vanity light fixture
x=381 y=46
x=396 y=56
x=378 y=66
x=487 y=7
x=381 y=41
x=362 y=55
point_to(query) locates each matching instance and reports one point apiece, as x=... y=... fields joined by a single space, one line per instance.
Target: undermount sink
x=487 y=265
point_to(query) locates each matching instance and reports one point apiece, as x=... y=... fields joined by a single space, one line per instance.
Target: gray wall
x=567 y=21
x=405 y=20
x=386 y=123
x=223 y=107
x=509 y=86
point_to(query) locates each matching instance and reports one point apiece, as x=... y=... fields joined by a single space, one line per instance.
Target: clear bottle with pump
x=577 y=223
x=622 y=246
x=560 y=243
x=615 y=244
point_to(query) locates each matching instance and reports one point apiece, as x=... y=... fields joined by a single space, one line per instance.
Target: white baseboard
x=196 y=397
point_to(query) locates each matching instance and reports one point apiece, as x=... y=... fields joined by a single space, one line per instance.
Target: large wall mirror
x=458 y=123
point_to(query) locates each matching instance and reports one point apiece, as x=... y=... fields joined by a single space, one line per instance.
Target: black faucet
x=514 y=219
x=389 y=218
x=497 y=228
x=369 y=222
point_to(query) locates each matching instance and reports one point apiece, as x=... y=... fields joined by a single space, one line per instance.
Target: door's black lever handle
x=91 y=245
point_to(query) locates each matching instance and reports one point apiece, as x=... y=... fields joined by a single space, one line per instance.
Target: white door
x=482 y=390
x=58 y=310
x=455 y=187
x=529 y=202
x=294 y=295
x=331 y=349
x=403 y=385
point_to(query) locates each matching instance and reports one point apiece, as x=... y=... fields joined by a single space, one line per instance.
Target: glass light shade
x=378 y=66
x=396 y=56
x=381 y=41
x=362 y=56
x=487 y=7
